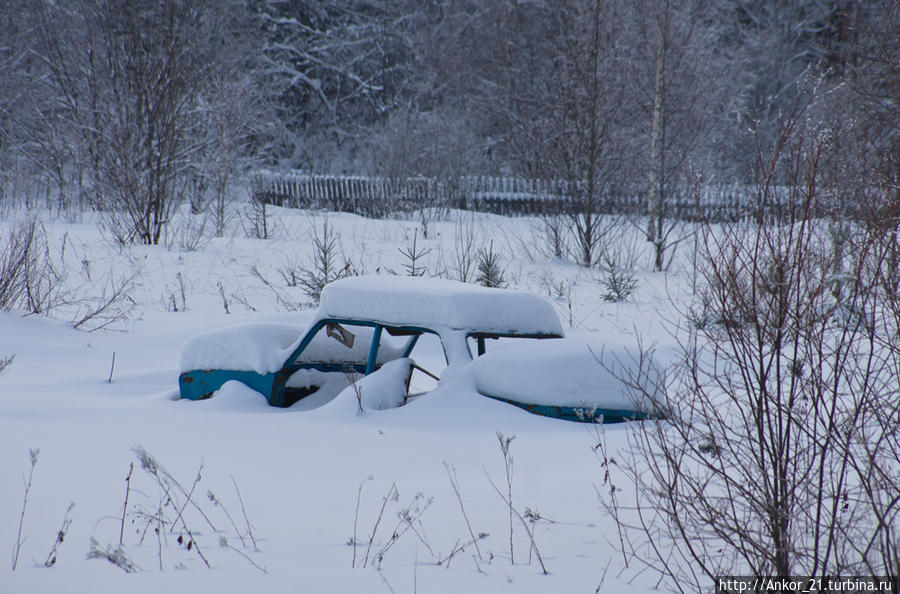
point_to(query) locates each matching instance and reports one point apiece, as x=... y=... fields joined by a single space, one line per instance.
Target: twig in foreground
x=33 y=454
x=522 y=520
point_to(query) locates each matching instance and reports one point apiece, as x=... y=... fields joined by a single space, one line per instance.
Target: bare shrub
x=466 y=246
x=529 y=515
x=171 y=491
x=552 y=234
x=393 y=495
x=28 y=278
x=175 y=298
x=5 y=362
x=188 y=232
x=38 y=282
x=14 y=260
x=117 y=556
x=283 y=300
x=592 y=234
x=176 y=510
x=429 y=214
x=113 y=305
x=665 y=234
x=558 y=289
x=409 y=519
x=776 y=455
x=255 y=219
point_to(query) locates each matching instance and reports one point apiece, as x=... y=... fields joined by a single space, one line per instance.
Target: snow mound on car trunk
x=568 y=373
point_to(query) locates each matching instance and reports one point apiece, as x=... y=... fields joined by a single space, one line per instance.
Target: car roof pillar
x=373 y=350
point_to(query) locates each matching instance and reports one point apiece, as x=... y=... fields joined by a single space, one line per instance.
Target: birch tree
x=684 y=88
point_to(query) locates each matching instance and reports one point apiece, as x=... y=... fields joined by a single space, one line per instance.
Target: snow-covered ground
x=309 y=479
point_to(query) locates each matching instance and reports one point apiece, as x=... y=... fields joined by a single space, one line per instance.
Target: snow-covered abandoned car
x=366 y=323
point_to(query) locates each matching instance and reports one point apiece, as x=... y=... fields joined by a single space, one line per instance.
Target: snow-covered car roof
x=439 y=304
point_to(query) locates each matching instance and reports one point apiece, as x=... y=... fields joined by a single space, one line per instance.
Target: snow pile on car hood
x=259 y=347
x=438 y=303
x=263 y=348
x=568 y=372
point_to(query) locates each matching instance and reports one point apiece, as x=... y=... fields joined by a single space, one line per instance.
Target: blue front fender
x=201 y=383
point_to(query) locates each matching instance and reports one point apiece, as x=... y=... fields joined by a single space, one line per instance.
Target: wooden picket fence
x=511 y=196
x=370 y=196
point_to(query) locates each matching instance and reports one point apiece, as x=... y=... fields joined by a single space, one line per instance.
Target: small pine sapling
x=414 y=255
x=618 y=282
x=326 y=266
x=490 y=270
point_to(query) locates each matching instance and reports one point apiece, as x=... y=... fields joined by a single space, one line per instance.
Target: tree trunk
x=657 y=138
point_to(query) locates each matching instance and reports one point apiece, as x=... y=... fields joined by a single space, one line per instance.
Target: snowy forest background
x=142 y=106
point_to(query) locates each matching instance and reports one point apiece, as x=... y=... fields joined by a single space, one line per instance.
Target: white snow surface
x=308 y=479
x=235 y=396
x=383 y=390
x=439 y=303
x=567 y=372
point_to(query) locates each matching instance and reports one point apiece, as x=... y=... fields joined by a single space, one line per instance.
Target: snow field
x=298 y=472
